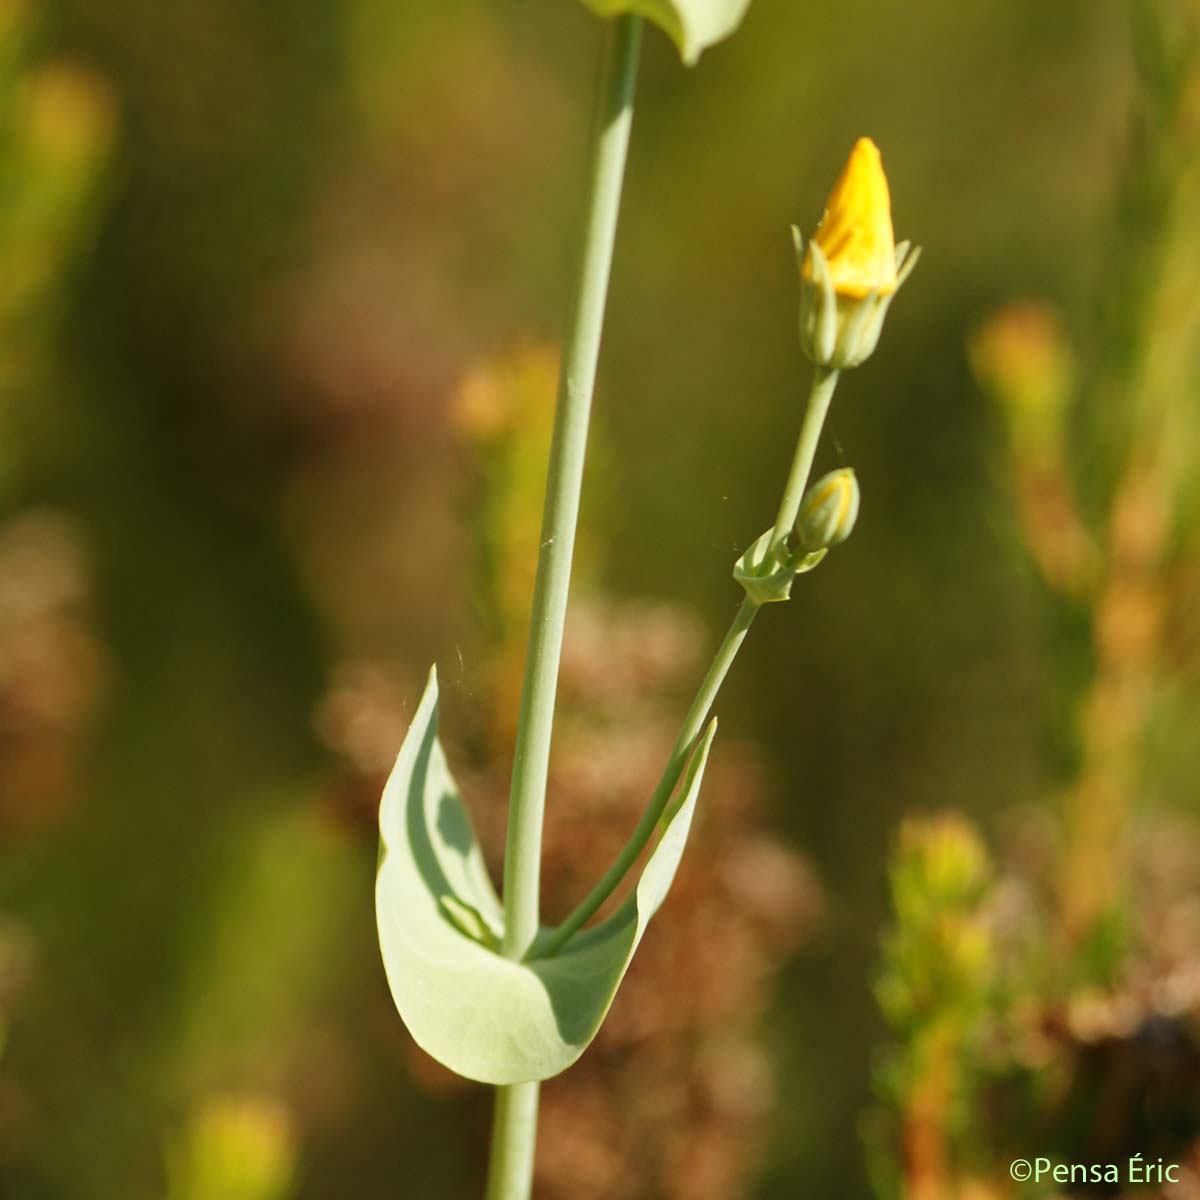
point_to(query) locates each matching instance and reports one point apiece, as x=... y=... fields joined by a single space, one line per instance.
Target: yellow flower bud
x=852 y=267
x=855 y=234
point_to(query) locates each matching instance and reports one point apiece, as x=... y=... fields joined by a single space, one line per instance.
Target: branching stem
x=823 y=385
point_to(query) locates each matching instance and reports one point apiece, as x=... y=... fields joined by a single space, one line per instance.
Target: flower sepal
x=838 y=331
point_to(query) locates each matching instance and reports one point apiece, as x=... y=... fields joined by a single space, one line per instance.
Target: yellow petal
x=855 y=234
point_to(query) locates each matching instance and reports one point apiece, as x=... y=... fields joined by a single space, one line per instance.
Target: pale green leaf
x=693 y=25
x=479 y=1014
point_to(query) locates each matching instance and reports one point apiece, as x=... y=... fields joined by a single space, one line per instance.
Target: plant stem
x=514 y=1137
x=693 y=724
x=527 y=800
x=510 y=1175
x=823 y=384
x=820 y=395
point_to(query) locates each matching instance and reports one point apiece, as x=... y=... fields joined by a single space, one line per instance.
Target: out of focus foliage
x=57 y=120
x=1067 y=1004
x=232 y=1149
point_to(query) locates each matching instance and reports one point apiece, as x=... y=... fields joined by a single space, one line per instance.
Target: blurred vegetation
x=278 y=291
x=1052 y=1000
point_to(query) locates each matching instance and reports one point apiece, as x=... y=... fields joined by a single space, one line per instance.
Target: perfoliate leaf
x=480 y=1014
x=693 y=25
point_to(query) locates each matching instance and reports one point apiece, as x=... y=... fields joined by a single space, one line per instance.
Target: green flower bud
x=828 y=512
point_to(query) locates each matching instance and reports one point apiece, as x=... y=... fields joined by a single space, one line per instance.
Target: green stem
x=514 y=1137
x=527 y=799
x=823 y=384
x=510 y=1174
x=692 y=726
x=821 y=394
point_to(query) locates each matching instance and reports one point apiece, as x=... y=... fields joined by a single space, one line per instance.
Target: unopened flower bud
x=828 y=512
x=851 y=268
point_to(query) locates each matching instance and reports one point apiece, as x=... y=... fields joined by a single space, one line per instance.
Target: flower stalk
x=859 y=268
x=824 y=384
x=820 y=396
x=693 y=725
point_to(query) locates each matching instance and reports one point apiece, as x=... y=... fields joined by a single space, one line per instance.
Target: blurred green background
x=273 y=242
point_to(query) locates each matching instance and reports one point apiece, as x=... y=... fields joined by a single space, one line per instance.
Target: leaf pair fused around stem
x=440 y=921
x=693 y=25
